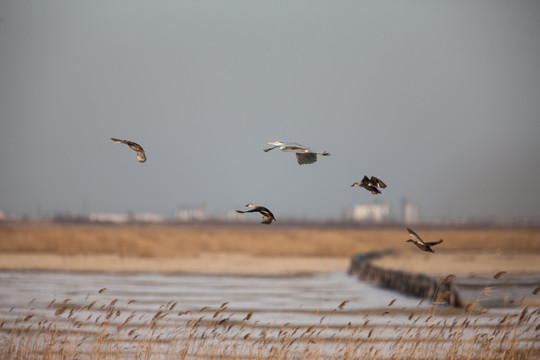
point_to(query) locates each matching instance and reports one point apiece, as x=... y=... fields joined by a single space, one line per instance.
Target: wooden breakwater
x=439 y=291
x=478 y=290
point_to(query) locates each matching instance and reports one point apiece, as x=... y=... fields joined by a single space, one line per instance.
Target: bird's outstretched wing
x=254 y=210
x=366 y=181
x=306 y=158
x=378 y=182
x=414 y=236
x=119 y=141
x=141 y=156
x=434 y=242
x=270 y=148
x=294 y=147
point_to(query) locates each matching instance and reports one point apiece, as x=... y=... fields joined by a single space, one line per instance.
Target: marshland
x=143 y=292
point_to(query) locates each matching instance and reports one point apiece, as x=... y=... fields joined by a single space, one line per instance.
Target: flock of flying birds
x=304 y=155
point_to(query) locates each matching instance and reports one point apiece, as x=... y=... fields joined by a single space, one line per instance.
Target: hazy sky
x=440 y=99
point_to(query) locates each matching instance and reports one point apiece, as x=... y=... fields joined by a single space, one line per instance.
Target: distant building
x=411 y=213
x=120 y=218
x=110 y=218
x=148 y=217
x=374 y=213
x=188 y=213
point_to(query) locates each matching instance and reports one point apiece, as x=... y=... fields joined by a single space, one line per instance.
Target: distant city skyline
x=438 y=99
x=376 y=213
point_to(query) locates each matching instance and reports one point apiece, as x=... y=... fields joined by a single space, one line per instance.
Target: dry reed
x=111 y=330
x=170 y=241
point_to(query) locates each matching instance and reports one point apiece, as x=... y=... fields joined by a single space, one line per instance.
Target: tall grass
x=121 y=329
x=170 y=242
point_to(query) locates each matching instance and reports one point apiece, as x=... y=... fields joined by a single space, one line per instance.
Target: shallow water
x=202 y=312
x=323 y=291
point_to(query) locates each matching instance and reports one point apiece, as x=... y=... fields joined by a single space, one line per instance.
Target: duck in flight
x=416 y=240
x=268 y=217
x=134 y=146
x=304 y=155
x=371 y=184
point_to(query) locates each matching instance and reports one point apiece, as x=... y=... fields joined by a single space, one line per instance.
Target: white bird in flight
x=304 y=155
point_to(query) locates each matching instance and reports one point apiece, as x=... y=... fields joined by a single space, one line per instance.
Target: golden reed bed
x=266 y=241
x=261 y=249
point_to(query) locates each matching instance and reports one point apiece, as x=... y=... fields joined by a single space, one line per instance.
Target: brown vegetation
x=181 y=242
x=103 y=330
x=97 y=329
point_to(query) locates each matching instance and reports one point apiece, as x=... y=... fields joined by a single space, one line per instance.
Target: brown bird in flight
x=268 y=217
x=371 y=185
x=134 y=146
x=425 y=246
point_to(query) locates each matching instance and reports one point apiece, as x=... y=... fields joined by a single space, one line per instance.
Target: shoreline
x=441 y=263
x=205 y=263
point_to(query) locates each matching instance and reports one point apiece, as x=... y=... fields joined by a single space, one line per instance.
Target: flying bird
x=342 y=305
x=134 y=146
x=268 y=217
x=304 y=155
x=425 y=246
x=371 y=185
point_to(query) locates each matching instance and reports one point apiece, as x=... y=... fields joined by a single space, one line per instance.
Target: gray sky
x=440 y=99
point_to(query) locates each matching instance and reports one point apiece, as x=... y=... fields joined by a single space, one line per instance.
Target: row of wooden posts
x=438 y=291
